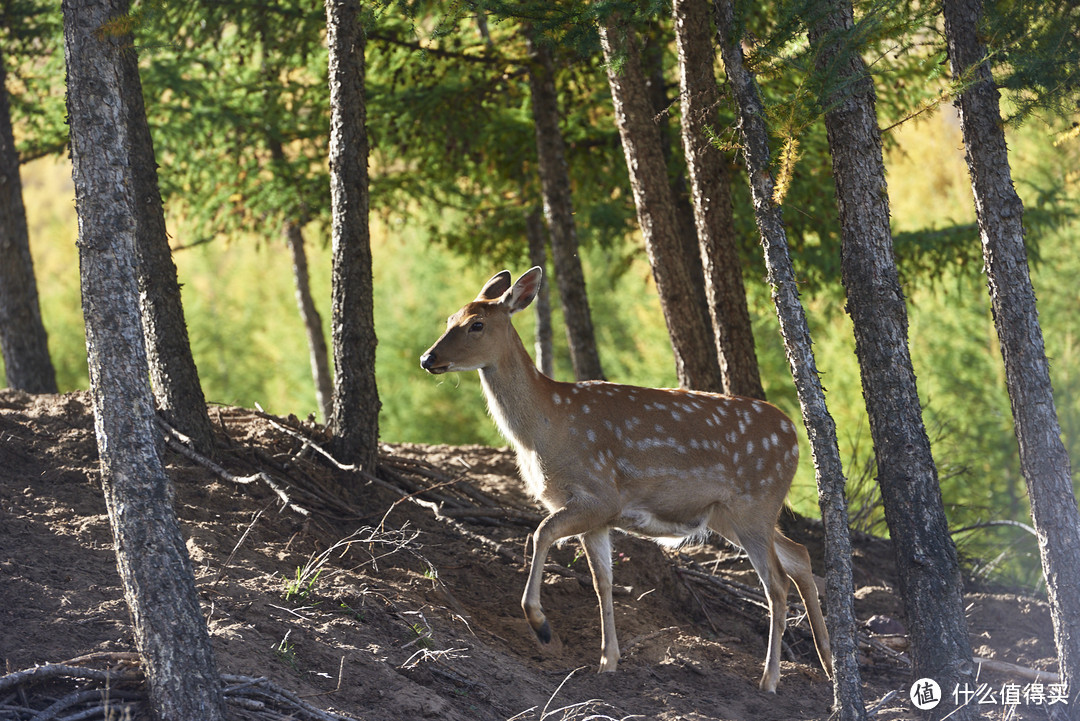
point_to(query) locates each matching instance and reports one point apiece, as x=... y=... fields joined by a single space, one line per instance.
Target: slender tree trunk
x=653 y=53
x=309 y=314
x=839 y=587
x=23 y=341
x=534 y=231
x=559 y=211
x=926 y=558
x=1043 y=459
x=154 y=566
x=174 y=377
x=710 y=187
x=691 y=337
x=355 y=420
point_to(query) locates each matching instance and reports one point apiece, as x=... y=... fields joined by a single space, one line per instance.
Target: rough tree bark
x=173 y=375
x=355 y=420
x=1043 y=459
x=559 y=211
x=710 y=188
x=839 y=587
x=155 y=570
x=654 y=52
x=23 y=341
x=534 y=232
x=691 y=337
x=930 y=581
x=309 y=314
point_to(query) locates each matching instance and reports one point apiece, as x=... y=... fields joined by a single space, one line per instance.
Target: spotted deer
x=666 y=464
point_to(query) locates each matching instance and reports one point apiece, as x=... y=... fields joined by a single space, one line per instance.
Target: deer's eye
x=476 y=327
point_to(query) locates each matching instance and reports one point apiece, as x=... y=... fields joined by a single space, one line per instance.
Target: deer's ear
x=524 y=291
x=496 y=287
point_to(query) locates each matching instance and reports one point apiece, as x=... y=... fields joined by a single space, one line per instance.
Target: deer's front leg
x=598 y=551
x=571 y=520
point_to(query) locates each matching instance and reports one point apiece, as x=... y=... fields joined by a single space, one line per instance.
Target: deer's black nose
x=427 y=361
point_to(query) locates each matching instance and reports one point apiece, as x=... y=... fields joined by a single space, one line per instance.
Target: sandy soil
x=420 y=620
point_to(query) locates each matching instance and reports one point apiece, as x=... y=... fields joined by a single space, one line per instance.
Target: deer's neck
x=518 y=397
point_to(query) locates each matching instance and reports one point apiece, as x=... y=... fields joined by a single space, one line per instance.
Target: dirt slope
x=416 y=618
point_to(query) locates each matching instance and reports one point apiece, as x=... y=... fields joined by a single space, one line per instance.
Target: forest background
x=452 y=171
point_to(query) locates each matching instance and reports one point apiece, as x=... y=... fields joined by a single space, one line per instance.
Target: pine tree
x=355 y=421
x=710 y=185
x=691 y=338
x=155 y=570
x=839 y=587
x=559 y=211
x=1044 y=461
x=926 y=559
x=23 y=340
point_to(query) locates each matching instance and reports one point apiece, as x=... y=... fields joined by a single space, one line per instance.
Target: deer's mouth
x=431 y=364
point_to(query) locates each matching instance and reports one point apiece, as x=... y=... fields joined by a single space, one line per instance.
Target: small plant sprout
x=286 y=651
x=301 y=590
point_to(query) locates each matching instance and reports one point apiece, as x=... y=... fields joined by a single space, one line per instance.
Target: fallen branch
x=173 y=439
x=1023 y=672
x=260 y=698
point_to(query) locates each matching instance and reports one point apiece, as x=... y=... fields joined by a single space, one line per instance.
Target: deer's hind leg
x=796 y=562
x=775 y=582
x=759 y=547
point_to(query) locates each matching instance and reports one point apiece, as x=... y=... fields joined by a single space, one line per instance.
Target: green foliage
x=237 y=99
x=1035 y=49
x=30 y=38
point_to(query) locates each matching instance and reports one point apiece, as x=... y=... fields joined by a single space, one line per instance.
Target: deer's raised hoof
x=544 y=632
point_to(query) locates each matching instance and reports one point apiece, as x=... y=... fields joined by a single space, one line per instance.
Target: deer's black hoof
x=544 y=632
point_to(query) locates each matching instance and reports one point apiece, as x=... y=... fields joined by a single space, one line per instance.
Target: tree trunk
x=534 y=231
x=839 y=587
x=653 y=51
x=23 y=341
x=691 y=338
x=1043 y=459
x=559 y=211
x=355 y=420
x=710 y=187
x=309 y=314
x=929 y=574
x=158 y=582
x=174 y=377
